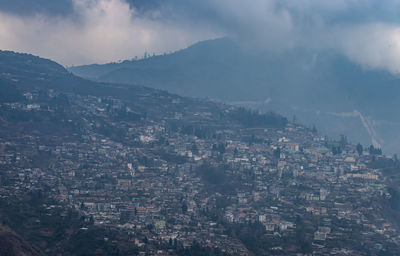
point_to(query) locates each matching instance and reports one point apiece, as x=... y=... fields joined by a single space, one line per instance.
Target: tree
x=343 y=141
x=359 y=149
x=184 y=207
x=212 y=175
x=314 y=129
x=336 y=150
x=375 y=151
x=221 y=148
x=277 y=153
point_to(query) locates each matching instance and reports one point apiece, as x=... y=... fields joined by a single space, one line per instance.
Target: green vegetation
x=8 y=92
x=197 y=250
x=212 y=175
x=375 y=151
x=253 y=119
x=48 y=227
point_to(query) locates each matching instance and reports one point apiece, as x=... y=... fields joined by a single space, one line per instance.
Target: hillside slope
x=320 y=88
x=95 y=168
x=13 y=245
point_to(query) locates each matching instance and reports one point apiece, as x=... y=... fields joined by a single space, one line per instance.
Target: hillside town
x=173 y=171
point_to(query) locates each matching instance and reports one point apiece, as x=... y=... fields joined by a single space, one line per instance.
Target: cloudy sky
x=97 y=31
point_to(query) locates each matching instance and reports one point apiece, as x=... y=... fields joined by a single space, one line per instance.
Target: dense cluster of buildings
x=148 y=176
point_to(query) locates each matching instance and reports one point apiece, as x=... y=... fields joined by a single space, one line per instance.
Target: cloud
x=98 y=31
x=373 y=46
x=365 y=31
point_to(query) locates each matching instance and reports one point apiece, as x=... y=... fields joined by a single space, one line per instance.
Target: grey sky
x=87 y=31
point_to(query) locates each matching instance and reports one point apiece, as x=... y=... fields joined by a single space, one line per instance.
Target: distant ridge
x=299 y=82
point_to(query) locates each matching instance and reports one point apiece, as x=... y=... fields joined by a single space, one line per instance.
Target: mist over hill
x=44 y=108
x=199 y=128
x=321 y=88
x=96 y=168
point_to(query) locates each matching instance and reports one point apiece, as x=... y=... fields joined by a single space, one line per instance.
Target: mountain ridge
x=296 y=82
